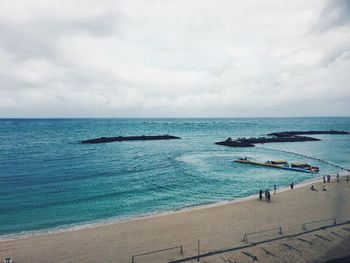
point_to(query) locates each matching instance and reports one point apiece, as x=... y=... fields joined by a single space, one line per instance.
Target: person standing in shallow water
x=324 y=179
x=260 y=195
x=274 y=189
x=292 y=186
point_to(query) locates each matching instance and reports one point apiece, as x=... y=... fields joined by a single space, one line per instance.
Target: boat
x=282 y=164
x=278 y=162
x=305 y=166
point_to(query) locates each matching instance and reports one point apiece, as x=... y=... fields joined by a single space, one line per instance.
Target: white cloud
x=174 y=58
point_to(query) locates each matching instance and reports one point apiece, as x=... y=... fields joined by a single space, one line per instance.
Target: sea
x=49 y=181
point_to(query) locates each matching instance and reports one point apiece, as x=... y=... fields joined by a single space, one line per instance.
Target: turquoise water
x=48 y=180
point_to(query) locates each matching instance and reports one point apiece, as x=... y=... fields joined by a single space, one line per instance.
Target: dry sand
x=217 y=227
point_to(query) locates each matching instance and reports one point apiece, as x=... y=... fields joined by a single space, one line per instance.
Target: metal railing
x=245 y=237
x=226 y=250
x=319 y=221
x=157 y=251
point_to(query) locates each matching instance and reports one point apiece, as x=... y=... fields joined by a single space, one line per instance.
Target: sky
x=174 y=58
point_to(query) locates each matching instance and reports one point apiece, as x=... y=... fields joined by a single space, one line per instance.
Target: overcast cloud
x=180 y=58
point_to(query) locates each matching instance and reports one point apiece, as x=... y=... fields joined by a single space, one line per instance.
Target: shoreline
x=113 y=221
x=218 y=226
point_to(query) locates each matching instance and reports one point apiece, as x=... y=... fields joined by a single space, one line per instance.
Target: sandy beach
x=216 y=226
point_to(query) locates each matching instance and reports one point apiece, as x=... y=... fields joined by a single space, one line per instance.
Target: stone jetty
x=129 y=138
x=288 y=136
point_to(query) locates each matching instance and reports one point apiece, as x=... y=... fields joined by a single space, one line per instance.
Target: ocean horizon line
x=161 y=118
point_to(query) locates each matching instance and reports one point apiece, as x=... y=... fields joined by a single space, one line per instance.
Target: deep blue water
x=48 y=180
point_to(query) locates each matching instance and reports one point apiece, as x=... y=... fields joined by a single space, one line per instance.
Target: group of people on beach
x=314 y=189
x=267 y=194
x=326 y=178
x=329 y=178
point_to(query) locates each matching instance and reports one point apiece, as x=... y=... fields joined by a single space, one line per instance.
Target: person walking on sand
x=265 y=195
x=268 y=196
x=260 y=195
x=292 y=186
x=274 y=189
x=324 y=179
